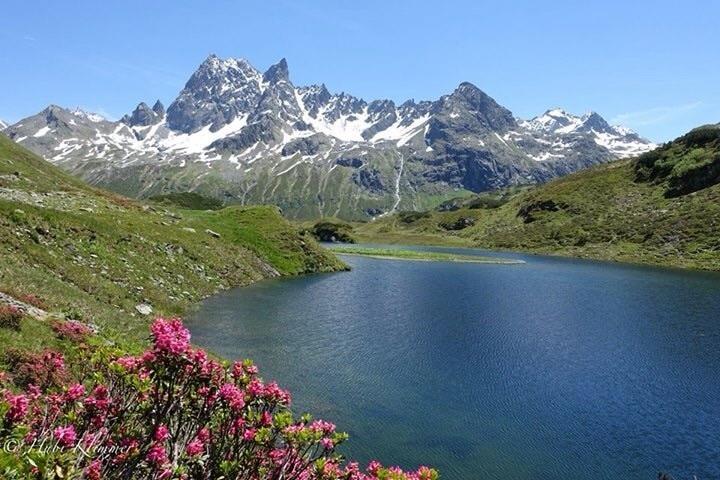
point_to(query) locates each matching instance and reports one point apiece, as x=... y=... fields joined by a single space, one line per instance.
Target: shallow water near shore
x=556 y=368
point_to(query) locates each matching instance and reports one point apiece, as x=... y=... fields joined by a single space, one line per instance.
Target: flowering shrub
x=10 y=317
x=171 y=413
x=29 y=298
x=43 y=370
x=72 y=330
x=32 y=299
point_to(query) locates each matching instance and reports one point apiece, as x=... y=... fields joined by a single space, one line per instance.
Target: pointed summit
x=212 y=58
x=594 y=121
x=159 y=108
x=216 y=93
x=277 y=73
x=471 y=106
x=141 y=116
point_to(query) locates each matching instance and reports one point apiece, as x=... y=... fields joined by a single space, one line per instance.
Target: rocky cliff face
x=245 y=136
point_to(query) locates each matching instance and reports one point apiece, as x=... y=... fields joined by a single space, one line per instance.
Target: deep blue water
x=555 y=369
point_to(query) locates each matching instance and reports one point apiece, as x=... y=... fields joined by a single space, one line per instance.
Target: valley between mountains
x=661 y=208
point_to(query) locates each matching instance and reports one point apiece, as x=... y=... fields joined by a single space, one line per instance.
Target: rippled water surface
x=552 y=369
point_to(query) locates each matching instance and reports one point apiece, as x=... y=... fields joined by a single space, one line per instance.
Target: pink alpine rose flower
x=170 y=336
x=18 y=407
x=232 y=395
x=74 y=392
x=94 y=470
x=161 y=433
x=157 y=455
x=65 y=436
x=195 y=447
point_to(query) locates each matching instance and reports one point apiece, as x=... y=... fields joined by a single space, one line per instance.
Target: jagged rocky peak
x=593 y=121
x=314 y=97
x=159 y=108
x=559 y=121
x=144 y=116
x=217 y=93
x=552 y=120
x=468 y=107
x=277 y=73
x=55 y=116
x=559 y=115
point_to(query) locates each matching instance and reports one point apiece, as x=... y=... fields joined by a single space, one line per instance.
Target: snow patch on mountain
x=235 y=127
x=400 y=133
x=619 y=141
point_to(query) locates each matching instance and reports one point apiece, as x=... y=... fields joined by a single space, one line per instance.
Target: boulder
x=143 y=309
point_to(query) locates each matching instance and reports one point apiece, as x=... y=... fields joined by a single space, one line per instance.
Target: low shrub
x=412 y=217
x=33 y=300
x=71 y=330
x=44 y=369
x=10 y=317
x=171 y=413
x=29 y=298
x=333 y=232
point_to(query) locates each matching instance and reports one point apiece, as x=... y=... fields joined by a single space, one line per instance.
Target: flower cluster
x=174 y=413
x=170 y=337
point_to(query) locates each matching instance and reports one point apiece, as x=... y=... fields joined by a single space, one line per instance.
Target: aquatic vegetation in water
x=418 y=255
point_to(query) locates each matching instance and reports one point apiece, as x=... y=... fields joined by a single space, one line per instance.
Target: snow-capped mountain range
x=251 y=137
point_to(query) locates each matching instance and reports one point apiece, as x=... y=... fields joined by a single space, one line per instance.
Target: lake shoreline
x=578 y=322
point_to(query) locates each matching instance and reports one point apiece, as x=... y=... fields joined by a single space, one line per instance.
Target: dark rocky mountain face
x=244 y=136
x=144 y=116
x=215 y=94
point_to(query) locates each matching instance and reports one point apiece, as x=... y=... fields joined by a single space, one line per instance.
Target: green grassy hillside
x=97 y=255
x=662 y=208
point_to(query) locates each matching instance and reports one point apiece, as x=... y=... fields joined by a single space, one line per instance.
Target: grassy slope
x=602 y=212
x=100 y=254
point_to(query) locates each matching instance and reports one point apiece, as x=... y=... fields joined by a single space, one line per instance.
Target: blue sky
x=651 y=65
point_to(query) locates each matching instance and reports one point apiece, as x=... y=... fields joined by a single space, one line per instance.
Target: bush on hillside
x=29 y=298
x=332 y=232
x=412 y=216
x=457 y=224
x=45 y=369
x=71 y=330
x=10 y=317
x=170 y=413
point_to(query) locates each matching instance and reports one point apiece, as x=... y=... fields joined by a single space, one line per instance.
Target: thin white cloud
x=654 y=116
